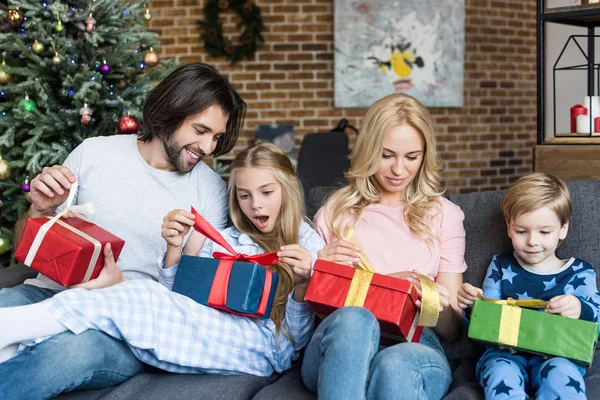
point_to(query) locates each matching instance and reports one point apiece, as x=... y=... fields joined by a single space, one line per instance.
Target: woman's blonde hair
x=420 y=196
x=534 y=191
x=271 y=157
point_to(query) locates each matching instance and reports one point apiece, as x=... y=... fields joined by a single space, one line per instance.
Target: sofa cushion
x=158 y=385
x=15 y=275
x=289 y=386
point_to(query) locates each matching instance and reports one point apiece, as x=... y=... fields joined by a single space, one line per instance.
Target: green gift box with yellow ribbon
x=532 y=331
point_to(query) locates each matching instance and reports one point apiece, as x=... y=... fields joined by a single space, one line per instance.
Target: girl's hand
x=176 y=224
x=467 y=294
x=299 y=259
x=109 y=276
x=566 y=305
x=340 y=252
x=444 y=295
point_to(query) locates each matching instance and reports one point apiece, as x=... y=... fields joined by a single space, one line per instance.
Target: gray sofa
x=486 y=236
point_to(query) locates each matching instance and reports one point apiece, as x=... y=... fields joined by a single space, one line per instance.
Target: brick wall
x=485 y=145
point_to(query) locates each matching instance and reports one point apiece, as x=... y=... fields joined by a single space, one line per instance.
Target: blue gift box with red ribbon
x=234 y=283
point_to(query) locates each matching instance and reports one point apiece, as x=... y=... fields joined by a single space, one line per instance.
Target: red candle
x=596 y=124
x=575 y=111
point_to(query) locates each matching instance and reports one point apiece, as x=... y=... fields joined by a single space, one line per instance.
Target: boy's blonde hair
x=363 y=189
x=271 y=157
x=534 y=191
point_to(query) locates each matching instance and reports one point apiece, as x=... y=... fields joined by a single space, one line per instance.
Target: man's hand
x=566 y=305
x=110 y=275
x=50 y=189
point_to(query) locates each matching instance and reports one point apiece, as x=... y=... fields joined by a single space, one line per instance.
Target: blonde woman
x=395 y=205
x=172 y=332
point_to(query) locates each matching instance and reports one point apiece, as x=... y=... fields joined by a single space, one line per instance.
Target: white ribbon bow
x=87 y=208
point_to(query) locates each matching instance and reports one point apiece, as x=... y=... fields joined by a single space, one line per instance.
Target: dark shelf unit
x=585 y=16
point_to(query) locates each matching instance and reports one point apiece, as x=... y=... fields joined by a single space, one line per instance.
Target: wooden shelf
x=588 y=15
x=571 y=162
x=575 y=139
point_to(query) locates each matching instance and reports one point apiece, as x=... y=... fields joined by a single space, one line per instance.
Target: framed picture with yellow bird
x=389 y=46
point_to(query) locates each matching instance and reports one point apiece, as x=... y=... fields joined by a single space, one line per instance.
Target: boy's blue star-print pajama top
x=504 y=375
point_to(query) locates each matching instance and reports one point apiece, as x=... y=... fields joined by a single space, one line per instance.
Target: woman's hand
x=340 y=252
x=176 y=224
x=566 y=305
x=444 y=295
x=467 y=294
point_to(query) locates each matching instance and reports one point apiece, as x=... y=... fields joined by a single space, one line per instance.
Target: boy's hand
x=176 y=224
x=467 y=294
x=566 y=305
x=299 y=259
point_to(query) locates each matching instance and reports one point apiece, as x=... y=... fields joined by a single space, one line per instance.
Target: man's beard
x=176 y=156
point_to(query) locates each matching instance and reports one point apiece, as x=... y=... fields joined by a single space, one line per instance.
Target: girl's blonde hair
x=420 y=196
x=271 y=157
x=534 y=191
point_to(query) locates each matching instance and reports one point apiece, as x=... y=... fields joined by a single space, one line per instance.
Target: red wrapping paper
x=391 y=300
x=64 y=256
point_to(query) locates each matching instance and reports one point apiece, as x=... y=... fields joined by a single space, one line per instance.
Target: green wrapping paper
x=534 y=332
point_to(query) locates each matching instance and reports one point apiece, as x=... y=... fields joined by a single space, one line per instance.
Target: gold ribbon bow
x=524 y=303
x=359 y=287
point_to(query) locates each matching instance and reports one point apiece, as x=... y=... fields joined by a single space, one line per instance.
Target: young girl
x=537 y=209
x=174 y=333
x=394 y=203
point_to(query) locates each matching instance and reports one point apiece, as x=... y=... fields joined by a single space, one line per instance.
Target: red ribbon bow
x=218 y=292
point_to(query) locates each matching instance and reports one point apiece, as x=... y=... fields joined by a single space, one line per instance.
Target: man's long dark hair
x=189 y=90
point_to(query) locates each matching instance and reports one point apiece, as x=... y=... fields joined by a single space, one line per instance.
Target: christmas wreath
x=218 y=46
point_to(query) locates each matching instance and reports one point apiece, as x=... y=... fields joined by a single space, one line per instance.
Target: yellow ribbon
x=510 y=321
x=357 y=294
x=525 y=303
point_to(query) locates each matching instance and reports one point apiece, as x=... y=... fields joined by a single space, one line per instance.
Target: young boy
x=537 y=209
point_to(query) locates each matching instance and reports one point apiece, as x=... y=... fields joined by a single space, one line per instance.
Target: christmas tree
x=70 y=70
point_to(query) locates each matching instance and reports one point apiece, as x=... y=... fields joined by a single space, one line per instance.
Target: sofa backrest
x=486 y=228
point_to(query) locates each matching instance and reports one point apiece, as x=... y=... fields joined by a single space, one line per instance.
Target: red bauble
x=128 y=125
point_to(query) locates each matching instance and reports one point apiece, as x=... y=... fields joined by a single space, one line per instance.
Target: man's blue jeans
x=344 y=361
x=65 y=362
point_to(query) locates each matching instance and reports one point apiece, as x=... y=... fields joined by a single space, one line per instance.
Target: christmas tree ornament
x=37 y=47
x=86 y=114
x=151 y=58
x=28 y=197
x=147 y=15
x=5 y=170
x=56 y=59
x=90 y=23
x=105 y=68
x=4 y=245
x=15 y=17
x=59 y=26
x=128 y=125
x=4 y=75
x=27 y=105
x=25 y=186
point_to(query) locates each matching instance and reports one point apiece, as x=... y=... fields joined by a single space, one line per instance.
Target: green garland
x=214 y=42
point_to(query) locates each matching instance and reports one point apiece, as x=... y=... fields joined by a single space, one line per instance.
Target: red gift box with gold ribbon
x=391 y=300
